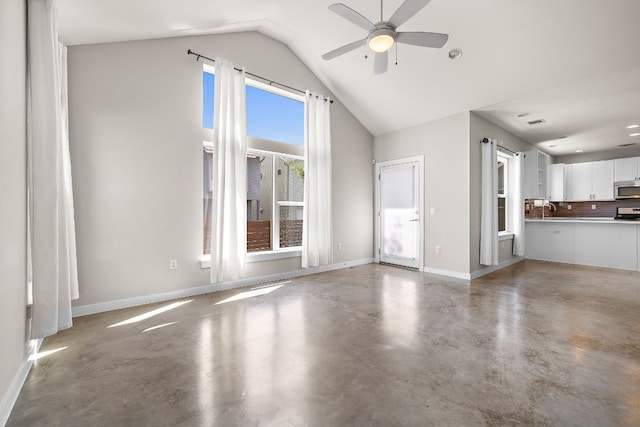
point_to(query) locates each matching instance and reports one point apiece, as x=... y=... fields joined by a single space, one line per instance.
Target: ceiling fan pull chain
x=396 y=53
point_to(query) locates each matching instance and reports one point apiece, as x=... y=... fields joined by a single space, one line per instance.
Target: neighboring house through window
x=275 y=166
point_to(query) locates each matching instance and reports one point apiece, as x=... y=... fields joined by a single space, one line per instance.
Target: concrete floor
x=533 y=344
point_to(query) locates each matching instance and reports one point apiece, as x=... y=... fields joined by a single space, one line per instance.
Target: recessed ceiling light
x=579 y=151
x=455 y=53
x=634 y=134
x=633 y=126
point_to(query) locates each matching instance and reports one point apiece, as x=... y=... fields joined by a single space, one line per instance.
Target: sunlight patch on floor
x=150 y=314
x=255 y=292
x=42 y=354
x=160 y=326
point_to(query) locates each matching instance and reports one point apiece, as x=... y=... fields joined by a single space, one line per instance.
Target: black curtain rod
x=485 y=140
x=271 y=82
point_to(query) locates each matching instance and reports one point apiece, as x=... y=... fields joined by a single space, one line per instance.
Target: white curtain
x=517 y=204
x=317 y=228
x=229 y=206
x=489 y=214
x=52 y=246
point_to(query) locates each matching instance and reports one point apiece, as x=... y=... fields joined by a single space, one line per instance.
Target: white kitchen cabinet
x=590 y=181
x=556 y=182
x=549 y=241
x=580 y=184
x=606 y=245
x=612 y=244
x=627 y=169
x=536 y=174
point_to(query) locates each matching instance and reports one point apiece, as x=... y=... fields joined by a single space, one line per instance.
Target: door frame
x=419 y=162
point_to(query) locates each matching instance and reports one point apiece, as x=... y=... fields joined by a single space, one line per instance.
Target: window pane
x=259 y=202
x=206 y=202
x=208 y=80
x=501 y=170
x=290 y=226
x=502 y=223
x=290 y=180
x=274 y=117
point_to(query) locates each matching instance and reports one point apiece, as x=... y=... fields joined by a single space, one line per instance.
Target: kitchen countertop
x=598 y=220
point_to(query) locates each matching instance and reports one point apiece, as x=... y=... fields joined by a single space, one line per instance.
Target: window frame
x=276 y=251
x=276 y=204
x=505 y=159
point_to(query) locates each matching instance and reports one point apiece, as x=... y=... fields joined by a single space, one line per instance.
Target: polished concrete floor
x=533 y=344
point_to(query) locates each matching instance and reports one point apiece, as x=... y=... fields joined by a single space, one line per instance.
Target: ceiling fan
x=383 y=34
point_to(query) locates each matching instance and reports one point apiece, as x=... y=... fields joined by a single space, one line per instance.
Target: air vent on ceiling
x=628 y=145
x=536 y=122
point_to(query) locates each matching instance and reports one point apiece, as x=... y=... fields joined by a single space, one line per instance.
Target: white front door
x=399 y=213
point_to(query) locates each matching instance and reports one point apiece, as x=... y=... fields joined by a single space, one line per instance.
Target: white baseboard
x=448 y=273
x=475 y=274
x=11 y=396
x=84 y=310
x=492 y=268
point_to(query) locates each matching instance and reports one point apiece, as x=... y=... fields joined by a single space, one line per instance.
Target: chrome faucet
x=552 y=207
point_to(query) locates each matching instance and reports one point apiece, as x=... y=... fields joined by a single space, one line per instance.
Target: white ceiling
x=574 y=63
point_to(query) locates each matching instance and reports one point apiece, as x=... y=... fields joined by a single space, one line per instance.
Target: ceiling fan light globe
x=381 y=42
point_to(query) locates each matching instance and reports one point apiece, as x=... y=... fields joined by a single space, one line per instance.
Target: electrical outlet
x=569 y=207
x=173 y=264
x=593 y=206
x=339 y=246
x=432 y=211
x=437 y=249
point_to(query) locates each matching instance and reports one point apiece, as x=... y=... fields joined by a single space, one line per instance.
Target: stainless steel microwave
x=627 y=189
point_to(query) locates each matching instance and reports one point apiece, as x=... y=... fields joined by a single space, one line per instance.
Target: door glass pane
x=399 y=212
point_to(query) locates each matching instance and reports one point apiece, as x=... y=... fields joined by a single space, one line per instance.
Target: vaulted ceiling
x=563 y=61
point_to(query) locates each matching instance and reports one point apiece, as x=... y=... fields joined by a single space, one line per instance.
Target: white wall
x=445 y=146
x=480 y=128
x=13 y=343
x=136 y=150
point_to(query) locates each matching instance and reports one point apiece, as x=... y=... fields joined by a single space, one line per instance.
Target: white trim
x=475 y=274
x=293 y=252
x=448 y=273
x=505 y=235
x=492 y=268
x=84 y=310
x=421 y=202
x=11 y=396
x=296 y=96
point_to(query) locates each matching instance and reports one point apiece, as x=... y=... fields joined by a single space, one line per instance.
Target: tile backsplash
x=605 y=209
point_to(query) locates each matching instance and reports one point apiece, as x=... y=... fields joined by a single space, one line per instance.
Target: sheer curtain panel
x=517 y=205
x=229 y=206
x=52 y=245
x=489 y=214
x=317 y=228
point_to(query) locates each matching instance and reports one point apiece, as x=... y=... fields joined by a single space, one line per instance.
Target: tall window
x=275 y=166
x=503 y=191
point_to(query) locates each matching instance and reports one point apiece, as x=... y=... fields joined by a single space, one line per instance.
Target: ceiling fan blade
x=419 y=38
x=344 y=49
x=406 y=11
x=353 y=16
x=380 y=62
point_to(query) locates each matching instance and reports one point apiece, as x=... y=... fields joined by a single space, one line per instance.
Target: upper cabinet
x=536 y=174
x=590 y=181
x=627 y=169
x=556 y=182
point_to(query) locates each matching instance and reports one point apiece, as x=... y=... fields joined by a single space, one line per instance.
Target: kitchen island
x=599 y=242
